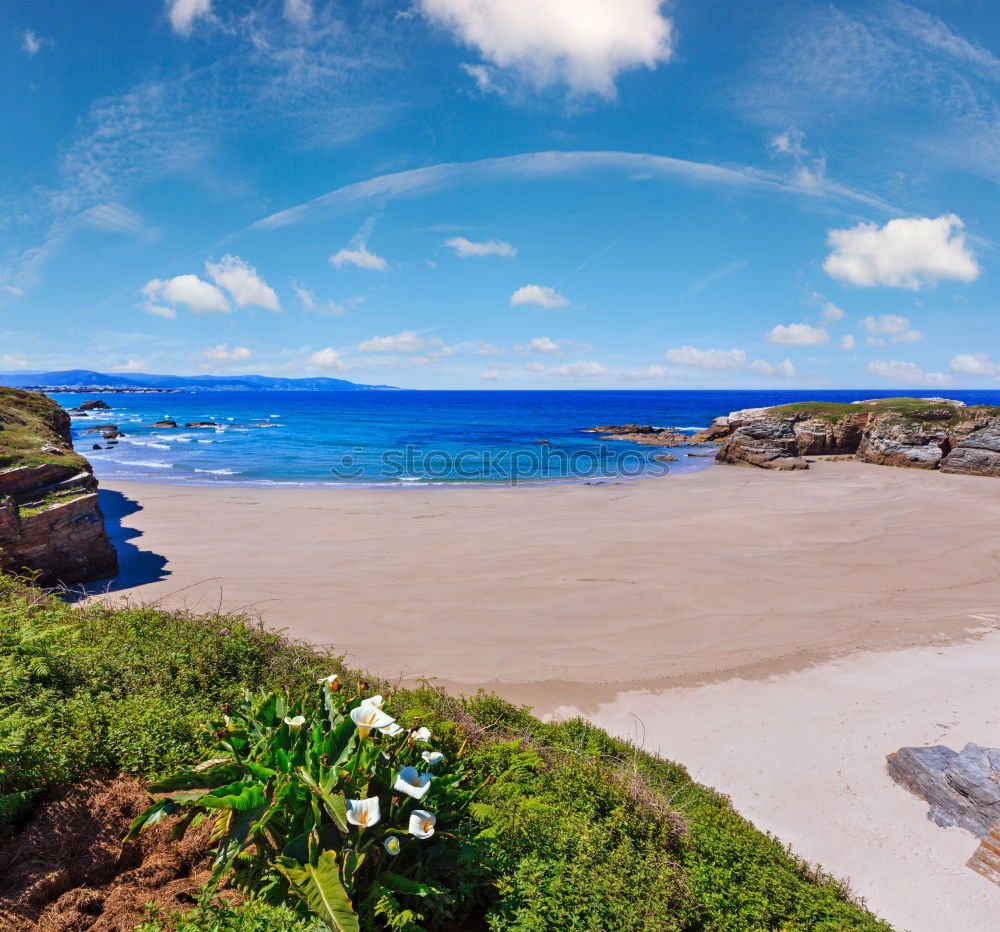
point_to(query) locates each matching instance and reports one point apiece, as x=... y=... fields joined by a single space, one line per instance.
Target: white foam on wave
x=146 y=464
x=219 y=472
x=158 y=446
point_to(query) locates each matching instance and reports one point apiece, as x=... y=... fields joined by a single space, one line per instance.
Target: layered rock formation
x=962 y=788
x=933 y=433
x=50 y=520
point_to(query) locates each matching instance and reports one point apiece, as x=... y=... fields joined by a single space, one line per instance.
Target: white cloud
x=405 y=342
x=243 y=283
x=201 y=296
x=890 y=328
x=538 y=295
x=783 y=370
x=311 y=303
x=580 y=370
x=360 y=257
x=582 y=43
x=490 y=375
x=974 y=364
x=905 y=374
x=706 y=359
x=159 y=310
x=13 y=360
x=31 y=43
x=130 y=365
x=465 y=248
x=542 y=345
x=798 y=335
x=533 y=367
x=847 y=341
x=831 y=313
x=328 y=358
x=183 y=13
x=223 y=354
x=648 y=372
x=906 y=253
x=298 y=12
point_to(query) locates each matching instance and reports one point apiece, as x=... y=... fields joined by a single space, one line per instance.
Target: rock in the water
x=94 y=406
x=962 y=788
x=976 y=455
x=201 y=424
x=642 y=433
x=164 y=424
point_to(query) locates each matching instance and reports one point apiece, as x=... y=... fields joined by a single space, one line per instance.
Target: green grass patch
x=28 y=421
x=580 y=831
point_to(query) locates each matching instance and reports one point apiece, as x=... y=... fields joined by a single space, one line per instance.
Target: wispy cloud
x=543 y=166
x=723 y=271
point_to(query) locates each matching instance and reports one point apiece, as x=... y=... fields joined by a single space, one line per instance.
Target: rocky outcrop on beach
x=50 y=519
x=934 y=433
x=201 y=424
x=642 y=433
x=962 y=788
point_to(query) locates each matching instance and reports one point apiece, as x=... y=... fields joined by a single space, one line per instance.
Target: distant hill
x=88 y=380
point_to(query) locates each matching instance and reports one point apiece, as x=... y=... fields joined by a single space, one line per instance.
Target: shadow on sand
x=135 y=566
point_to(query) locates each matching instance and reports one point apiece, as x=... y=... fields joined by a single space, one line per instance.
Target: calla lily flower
x=373 y=700
x=367 y=717
x=412 y=783
x=423 y=735
x=391 y=845
x=432 y=758
x=364 y=813
x=329 y=680
x=296 y=722
x=392 y=730
x=422 y=823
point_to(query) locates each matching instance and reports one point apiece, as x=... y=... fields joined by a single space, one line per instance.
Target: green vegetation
x=574 y=830
x=910 y=411
x=328 y=792
x=28 y=421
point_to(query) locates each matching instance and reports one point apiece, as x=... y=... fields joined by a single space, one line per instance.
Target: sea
x=411 y=438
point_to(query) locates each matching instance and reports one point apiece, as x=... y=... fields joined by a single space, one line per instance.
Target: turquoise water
x=408 y=437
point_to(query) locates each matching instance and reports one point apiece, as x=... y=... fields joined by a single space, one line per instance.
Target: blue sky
x=504 y=193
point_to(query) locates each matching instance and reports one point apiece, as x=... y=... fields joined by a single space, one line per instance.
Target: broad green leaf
x=321 y=889
x=155 y=813
x=238 y=796
x=400 y=884
x=192 y=778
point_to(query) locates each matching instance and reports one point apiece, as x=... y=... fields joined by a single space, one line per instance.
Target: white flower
x=423 y=735
x=422 y=823
x=367 y=717
x=391 y=845
x=296 y=722
x=392 y=730
x=432 y=758
x=329 y=680
x=412 y=783
x=364 y=813
x=373 y=700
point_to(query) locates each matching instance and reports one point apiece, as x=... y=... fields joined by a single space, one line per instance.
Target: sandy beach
x=777 y=633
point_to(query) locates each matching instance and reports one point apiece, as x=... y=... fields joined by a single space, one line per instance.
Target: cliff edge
x=50 y=520
x=920 y=433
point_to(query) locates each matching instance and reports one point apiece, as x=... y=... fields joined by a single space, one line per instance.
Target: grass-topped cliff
x=920 y=433
x=50 y=519
x=29 y=423
x=574 y=829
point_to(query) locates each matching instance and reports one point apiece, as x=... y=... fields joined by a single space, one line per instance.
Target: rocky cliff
x=920 y=433
x=50 y=520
